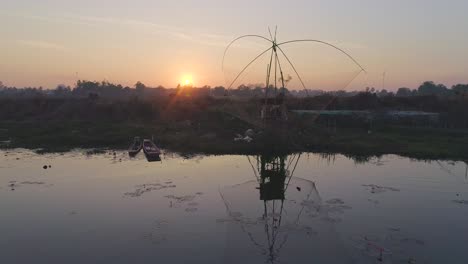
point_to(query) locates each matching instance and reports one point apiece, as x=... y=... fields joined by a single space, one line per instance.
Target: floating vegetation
x=13 y=185
x=177 y=201
x=335 y=201
x=396 y=247
x=97 y=151
x=181 y=199
x=372 y=188
x=331 y=206
x=464 y=202
x=144 y=188
x=314 y=209
x=33 y=182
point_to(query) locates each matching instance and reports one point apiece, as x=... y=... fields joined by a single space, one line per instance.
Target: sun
x=186 y=80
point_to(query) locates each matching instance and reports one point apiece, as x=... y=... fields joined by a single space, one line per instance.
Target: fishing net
x=310 y=64
x=272 y=231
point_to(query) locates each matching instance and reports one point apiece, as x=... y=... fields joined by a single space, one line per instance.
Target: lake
x=308 y=208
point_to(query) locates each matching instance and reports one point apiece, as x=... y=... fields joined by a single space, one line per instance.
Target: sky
x=46 y=42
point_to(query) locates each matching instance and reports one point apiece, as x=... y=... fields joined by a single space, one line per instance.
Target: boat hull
x=136 y=147
x=151 y=151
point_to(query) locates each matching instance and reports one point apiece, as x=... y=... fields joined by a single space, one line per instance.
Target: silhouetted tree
x=140 y=87
x=460 y=89
x=219 y=91
x=404 y=92
x=384 y=93
x=430 y=88
x=62 y=90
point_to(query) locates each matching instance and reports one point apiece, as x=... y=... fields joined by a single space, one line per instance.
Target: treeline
x=82 y=89
x=104 y=102
x=430 y=88
x=94 y=90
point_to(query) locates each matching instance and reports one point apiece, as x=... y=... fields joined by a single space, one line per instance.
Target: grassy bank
x=214 y=133
x=421 y=143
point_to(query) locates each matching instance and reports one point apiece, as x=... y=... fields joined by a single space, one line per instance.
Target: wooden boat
x=152 y=152
x=136 y=146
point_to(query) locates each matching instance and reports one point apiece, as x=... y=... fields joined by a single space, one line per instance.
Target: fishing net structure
x=296 y=64
x=278 y=217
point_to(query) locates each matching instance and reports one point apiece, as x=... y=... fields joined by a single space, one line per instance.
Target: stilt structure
x=273 y=105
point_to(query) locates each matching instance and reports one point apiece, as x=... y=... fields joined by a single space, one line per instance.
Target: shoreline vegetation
x=189 y=121
x=215 y=133
x=436 y=144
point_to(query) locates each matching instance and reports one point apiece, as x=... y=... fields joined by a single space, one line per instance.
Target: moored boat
x=151 y=151
x=136 y=147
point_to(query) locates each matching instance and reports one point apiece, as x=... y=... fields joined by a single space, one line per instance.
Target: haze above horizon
x=170 y=42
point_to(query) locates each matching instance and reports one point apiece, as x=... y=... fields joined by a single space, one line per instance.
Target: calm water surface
x=230 y=209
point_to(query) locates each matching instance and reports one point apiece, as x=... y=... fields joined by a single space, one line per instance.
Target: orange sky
x=166 y=42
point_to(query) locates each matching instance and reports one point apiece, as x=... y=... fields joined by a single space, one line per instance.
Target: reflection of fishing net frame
x=275 y=218
x=272 y=180
x=273 y=176
x=273 y=105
